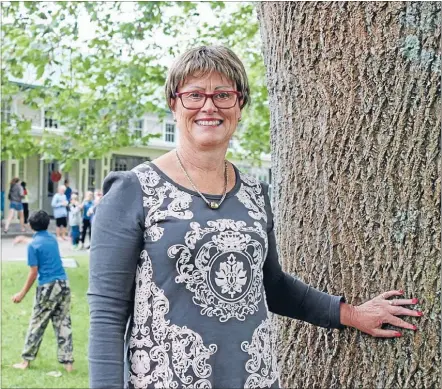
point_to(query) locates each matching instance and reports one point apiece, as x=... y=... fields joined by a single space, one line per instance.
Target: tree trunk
x=354 y=92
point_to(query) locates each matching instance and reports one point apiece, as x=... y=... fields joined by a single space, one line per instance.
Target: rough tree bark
x=354 y=93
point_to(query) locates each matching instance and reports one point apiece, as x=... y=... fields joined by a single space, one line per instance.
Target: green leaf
x=101 y=80
x=40 y=70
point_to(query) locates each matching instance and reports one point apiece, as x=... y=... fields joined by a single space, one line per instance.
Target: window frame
x=6 y=111
x=53 y=122
x=137 y=131
x=167 y=134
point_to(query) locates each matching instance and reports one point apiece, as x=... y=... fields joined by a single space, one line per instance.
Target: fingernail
x=414 y=301
x=401 y=291
x=419 y=313
x=397 y=334
x=414 y=328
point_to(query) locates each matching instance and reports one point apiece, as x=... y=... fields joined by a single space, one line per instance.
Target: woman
x=184 y=256
x=25 y=202
x=15 y=197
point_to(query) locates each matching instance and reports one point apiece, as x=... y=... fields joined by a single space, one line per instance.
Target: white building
x=88 y=174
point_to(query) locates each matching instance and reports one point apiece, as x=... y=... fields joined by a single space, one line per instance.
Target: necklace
x=211 y=204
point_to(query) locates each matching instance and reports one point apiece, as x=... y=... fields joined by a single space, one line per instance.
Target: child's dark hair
x=39 y=220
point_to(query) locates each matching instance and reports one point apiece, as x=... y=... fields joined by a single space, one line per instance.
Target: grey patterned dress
x=193 y=287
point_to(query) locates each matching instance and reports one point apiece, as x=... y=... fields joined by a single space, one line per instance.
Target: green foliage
x=92 y=85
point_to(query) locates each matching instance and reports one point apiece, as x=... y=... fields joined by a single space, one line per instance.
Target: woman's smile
x=208 y=122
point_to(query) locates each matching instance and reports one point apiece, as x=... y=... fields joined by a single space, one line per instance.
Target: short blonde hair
x=205 y=60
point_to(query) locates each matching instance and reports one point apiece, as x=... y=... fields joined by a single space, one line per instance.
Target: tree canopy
x=99 y=65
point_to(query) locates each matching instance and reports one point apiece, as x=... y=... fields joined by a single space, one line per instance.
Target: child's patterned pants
x=52 y=302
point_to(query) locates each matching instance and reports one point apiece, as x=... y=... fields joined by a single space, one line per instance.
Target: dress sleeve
x=288 y=296
x=117 y=238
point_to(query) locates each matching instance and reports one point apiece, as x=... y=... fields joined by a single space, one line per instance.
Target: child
x=75 y=220
x=86 y=206
x=98 y=194
x=53 y=295
x=25 y=202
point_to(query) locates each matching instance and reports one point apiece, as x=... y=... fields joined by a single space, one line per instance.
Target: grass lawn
x=15 y=320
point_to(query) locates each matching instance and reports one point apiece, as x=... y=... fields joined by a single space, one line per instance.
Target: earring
x=174 y=119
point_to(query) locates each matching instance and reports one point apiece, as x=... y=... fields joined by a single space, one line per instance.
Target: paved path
x=18 y=252
x=15 y=230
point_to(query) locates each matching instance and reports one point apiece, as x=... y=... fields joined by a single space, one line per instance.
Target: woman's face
x=209 y=125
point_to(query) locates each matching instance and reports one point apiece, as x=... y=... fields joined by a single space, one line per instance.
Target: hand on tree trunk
x=370 y=316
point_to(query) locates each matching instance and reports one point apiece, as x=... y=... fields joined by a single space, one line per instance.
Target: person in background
x=68 y=191
x=98 y=194
x=25 y=202
x=68 y=194
x=75 y=220
x=53 y=297
x=87 y=204
x=2 y=199
x=59 y=205
x=15 y=196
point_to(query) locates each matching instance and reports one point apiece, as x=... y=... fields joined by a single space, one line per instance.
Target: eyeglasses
x=196 y=99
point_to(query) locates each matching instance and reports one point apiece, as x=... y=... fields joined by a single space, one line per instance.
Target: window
x=49 y=121
x=152 y=126
x=122 y=124
x=138 y=128
x=91 y=176
x=169 y=133
x=51 y=187
x=119 y=125
x=6 y=112
x=21 y=169
x=122 y=163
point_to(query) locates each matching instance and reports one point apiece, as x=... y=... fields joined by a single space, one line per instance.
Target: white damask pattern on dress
x=231 y=276
x=263 y=365
x=163 y=354
x=153 y=199
x=252 y=196
x=226 y=276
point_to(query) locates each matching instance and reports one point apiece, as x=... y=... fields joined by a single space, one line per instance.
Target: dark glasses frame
x=210 y=96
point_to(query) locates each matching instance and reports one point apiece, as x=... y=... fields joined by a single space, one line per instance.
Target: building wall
x=29 y=113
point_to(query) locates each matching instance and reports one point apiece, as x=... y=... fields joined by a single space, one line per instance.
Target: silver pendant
x=214 y=205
